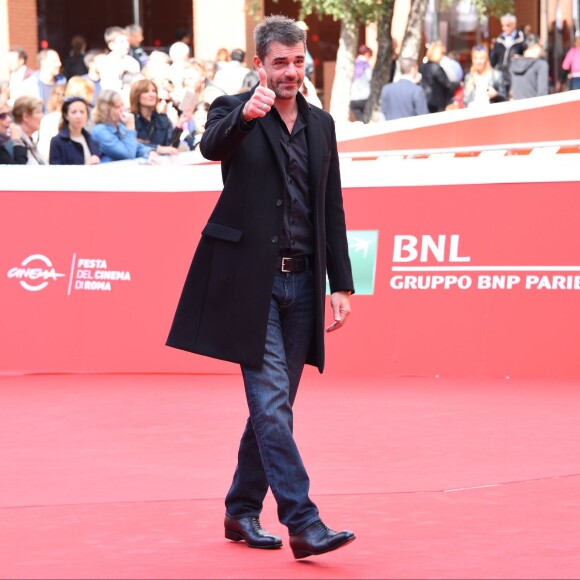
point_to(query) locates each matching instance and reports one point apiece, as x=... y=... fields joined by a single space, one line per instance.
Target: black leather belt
x=293 y=264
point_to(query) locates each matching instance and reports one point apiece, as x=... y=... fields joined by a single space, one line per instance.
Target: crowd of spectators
x=513 y=68
x=121 y=102
x=118 y=103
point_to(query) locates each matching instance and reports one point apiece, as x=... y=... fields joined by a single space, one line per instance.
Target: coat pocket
x=222 y=232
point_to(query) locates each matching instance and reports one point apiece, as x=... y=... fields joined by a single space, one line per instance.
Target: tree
x=352 y=14
x=492 y=7
x=382 y=70
x=411 y=45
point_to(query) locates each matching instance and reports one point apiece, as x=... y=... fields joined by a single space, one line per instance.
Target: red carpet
x=124 y=477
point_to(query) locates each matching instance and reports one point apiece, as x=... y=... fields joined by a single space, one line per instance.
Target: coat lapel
x=313 y=137
x=268 y=125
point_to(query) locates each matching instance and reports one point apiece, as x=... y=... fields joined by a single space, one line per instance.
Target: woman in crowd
x=50 y=121
x=153 y=128
x=360 y=89
x=12 y=149
x=435 y=81
x=27 y=114
x=199 y=120
x=80 y=87
x=571 y=65
x=222 y=57
x=114 y=130
x=483 y=84
x=74 y=145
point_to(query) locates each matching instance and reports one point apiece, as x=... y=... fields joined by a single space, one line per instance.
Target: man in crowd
x=230 y=78
x=118 y=67
x=18 y=71
x=42 y=82
x=404 y=97
x=135 y=36
x=510 y=43
x=529 y=73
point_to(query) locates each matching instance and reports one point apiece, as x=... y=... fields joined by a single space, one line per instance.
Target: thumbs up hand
x=262 y=100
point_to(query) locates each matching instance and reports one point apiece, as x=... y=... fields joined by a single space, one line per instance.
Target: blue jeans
x=268 y=455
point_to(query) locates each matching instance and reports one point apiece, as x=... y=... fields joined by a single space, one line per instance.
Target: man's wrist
x=245 y=115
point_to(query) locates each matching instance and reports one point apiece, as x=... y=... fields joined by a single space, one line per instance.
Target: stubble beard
x=286 y=93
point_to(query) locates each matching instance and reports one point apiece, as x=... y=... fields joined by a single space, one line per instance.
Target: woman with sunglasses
x=153 y=128
x=73 y=145
x=12 y=148
x=483 y=84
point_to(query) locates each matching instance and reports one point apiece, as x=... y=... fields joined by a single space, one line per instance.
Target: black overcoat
x=224 y=305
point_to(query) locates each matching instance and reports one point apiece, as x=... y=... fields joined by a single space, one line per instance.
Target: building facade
x=35 y=24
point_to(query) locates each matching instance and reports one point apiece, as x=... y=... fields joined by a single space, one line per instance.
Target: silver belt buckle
x=284 y=260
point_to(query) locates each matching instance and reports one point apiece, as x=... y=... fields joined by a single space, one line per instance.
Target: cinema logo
x=454 y=269
x=35 y=273
x=94 y=275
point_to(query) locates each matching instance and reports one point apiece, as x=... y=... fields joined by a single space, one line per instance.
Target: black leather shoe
x=318 y=539
x=250 y=531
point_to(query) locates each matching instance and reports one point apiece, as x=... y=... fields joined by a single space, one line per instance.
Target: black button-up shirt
x=297 y=237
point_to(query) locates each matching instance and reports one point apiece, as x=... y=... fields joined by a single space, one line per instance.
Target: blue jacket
x=65 y=151
x=403 y=98
x=118 y=143
x=158 y=131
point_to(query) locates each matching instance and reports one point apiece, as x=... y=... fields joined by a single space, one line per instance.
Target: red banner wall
x=90 y=276
x=554 y=118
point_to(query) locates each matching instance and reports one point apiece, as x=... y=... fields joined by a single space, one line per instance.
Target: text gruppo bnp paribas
x=436 y=263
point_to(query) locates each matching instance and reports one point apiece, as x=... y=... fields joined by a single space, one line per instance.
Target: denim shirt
x=118 y=143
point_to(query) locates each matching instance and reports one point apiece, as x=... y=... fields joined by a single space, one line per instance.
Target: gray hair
x=406 y=65
x=134 y=29
x=277 y=29
x=508 y=18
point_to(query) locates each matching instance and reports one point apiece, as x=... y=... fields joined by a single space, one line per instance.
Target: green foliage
x=363 y=11
x=351 y=10
x=368 y=10
x=490 y=7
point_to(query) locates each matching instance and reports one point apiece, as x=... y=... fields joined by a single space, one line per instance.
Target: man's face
x=135 y=38
x=120 y=45
x=14 y=61
x=284 y=66
x=507 y=26
x=52 y=63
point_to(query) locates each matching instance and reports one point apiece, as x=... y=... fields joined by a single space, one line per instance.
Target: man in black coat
x=511 y=42
x=255 y=290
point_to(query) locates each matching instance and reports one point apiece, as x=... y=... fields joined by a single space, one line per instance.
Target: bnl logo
x=362 y=249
